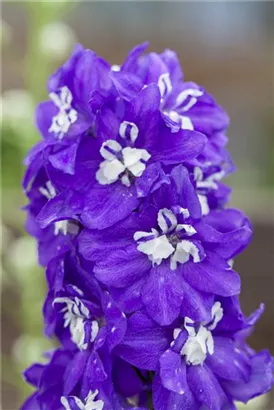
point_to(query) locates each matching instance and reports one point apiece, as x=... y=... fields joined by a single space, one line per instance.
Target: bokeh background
x=225 y=46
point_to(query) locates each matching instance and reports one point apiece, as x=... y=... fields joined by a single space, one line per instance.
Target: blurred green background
x=225 y=46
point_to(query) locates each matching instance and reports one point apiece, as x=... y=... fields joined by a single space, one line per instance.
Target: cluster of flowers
x=128 y=208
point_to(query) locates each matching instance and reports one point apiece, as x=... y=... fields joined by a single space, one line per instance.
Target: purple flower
x=183 y=104
x=191 y=359
x=128 y=206
x=61 y=385
x=122 y=165
x=67 y=115
x=56 y=239
x=176 y=259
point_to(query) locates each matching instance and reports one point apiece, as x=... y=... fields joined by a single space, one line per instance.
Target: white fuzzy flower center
x=200 y=341
x=167 y=241
x=122 y=163
x=205 y=184
x=185 y=100
x=49 y=192
x=66 y=115
x=77 y=317
x=70 y=402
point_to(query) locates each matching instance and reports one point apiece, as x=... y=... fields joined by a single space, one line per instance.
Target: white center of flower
x=77 y=317
x=129 y=130
x=200 y=341
x=183 y=122
x=209 y=182
x=187 y=99
x=165 y=85
x=66 y=115
x=115 y=67
x=49 y=192
x=61 y=226
x=167 y=242
x=70 y=402
x=204 y=185
x=121 y=162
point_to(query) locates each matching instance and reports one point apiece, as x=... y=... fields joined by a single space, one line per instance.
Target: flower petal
x=173 y=148
x=106 y=206
x=212 y=275
x=196 y=304
x=260 y=382
x=74 y=371
x=237 y=368
x=116 y=321
x=144 y=342
x=122 y=267
x=126 y=84
x=173 y=372
x=187 y=196
x=206 y=388
x=164 y=399
x=162 y=294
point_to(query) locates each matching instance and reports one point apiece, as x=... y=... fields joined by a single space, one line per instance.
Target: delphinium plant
x=128 y=206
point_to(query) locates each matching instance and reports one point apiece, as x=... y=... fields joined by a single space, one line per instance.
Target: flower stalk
x=127 y=202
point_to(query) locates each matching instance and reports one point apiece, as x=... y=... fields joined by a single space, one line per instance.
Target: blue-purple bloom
x=129 y=210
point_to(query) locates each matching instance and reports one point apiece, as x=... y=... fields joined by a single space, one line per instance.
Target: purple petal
x=233 y=318
x=122 y=268
x=106 y=206
x=237 y=368
x=107 y=125
x=226 y=243
x=126 y=84
x=75 y=371
x=144 y=342
x=31 y=403
x=173 y=372
x=129 y=298
x=116 y=321
x=57 y=247
x=186 y=192
x=132 y=58
x=151 y=180
x=94 y=370
x=260 y=382
x=66 y=205
x=64 y=159
x=33 y=162
x=172 y=62
x=85 y=77
x=64 y=75
x=255 y=316
x=206 y=115
x=196 y=304
x=205 y=387
x=164 y=399
x=122 y=371
x=212 y=275
x=94 y=245
x=162 y=294
x=44 y=113
x=172 y=148
x=145 y=113
x=33 y=374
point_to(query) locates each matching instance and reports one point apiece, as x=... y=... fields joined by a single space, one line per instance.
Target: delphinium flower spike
x=129 y=210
